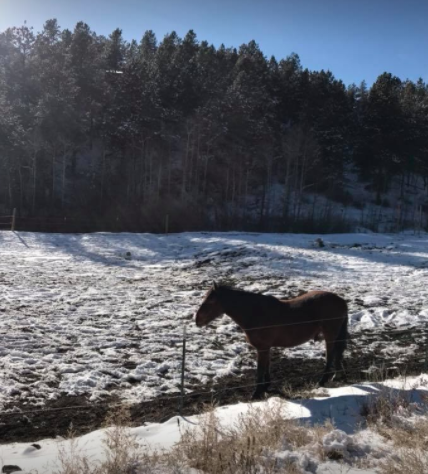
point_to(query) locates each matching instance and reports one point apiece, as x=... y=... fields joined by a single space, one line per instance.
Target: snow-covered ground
x=359 y=206
x=342 y=407
x=80 y=316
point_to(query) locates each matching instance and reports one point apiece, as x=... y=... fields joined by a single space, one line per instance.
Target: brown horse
x=269 y=322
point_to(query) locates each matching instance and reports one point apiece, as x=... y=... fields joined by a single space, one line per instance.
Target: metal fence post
x=426 y=354
x=183 y=366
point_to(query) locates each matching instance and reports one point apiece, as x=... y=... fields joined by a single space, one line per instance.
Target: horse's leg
x=340 y=347
x=328 y=375
x=267 y=373
x=341 y=369
x=340 y=365
x=262 y=369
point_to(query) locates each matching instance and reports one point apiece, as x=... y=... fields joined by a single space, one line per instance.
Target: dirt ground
x=290 y=379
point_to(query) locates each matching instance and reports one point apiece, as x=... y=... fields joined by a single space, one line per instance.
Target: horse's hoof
x=341 y=378
x=326 y=379
x=258 y=395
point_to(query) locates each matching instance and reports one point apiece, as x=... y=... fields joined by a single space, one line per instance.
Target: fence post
x=166 y=223
x=426 y=354
x=13 y=219
x=183 y=365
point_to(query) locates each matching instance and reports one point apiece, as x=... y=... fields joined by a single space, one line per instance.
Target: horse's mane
x=247 y=296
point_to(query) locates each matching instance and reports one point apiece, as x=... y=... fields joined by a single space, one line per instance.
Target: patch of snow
x=343 y=406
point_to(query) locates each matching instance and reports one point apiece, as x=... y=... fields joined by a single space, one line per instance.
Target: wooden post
x=166 y=223
x=183 y=366
x=13 y=220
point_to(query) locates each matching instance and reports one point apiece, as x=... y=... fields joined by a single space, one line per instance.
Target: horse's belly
x=283 y=336
x=296 y=337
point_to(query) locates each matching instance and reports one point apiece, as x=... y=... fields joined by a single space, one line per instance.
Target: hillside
x=120 y=134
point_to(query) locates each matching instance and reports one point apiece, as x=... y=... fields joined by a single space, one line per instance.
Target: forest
x=121 y=135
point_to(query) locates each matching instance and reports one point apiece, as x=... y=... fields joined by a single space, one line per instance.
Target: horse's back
x=310 y=315
x=316 y=295
x=289 y=323
x=319 y=303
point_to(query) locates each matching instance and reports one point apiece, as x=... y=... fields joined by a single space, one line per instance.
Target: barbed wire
x=177 y=429
x=214 y=393
x=191 y=394
x=423 y=332
x=56 y=219
x=397 y=329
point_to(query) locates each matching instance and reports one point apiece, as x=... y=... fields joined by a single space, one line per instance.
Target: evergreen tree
x=134 y=129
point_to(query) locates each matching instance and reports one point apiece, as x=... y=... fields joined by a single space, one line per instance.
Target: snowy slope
x=77 y=316
x=341 y=407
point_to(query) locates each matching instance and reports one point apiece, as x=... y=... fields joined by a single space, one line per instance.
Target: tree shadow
x=110 y=249
x=388 y=249
x=23 y=242
x=104 y=249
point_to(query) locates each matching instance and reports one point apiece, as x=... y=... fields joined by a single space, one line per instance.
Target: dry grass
x=406 y=461
x=122 y=455
x=410 y=448
x=264 y=440
x=389 y=414
x=248 y=447
x=382 y=408
x=309 y=390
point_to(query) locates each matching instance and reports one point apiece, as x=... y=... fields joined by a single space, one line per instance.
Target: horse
x=271 y=322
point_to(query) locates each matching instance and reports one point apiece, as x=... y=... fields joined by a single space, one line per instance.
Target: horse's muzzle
x=199 y=322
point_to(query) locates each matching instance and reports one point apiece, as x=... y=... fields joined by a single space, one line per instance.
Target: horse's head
x=210 y=308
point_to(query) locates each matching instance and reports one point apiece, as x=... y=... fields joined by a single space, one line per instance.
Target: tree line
x=214 y=137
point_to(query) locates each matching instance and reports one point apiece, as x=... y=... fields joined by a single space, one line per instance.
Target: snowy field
x=78 y=316
x=349 y=443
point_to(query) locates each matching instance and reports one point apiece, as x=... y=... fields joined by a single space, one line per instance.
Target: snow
x=362 y=212
x=78 y=316
x=340 y=406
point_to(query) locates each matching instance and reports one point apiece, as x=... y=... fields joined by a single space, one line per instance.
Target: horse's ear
x=215 y=286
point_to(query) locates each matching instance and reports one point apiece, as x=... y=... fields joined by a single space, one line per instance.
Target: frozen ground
x=80 y=317
x=349 y=440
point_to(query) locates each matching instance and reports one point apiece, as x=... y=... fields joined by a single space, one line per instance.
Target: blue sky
x=356 y=40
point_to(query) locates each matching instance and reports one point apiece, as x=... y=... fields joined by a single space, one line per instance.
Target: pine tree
x=133 y=128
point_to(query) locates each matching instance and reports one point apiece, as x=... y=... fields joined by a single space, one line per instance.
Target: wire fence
x=176 y=430
x=416 y=221
x=213 y=394
x=182 y=394
x=191 y=394
x=81 y=224
x=12 y=222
